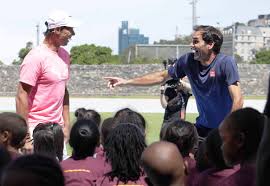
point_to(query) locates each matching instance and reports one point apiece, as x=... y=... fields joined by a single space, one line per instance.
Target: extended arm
x=236 y=95
x=148 y=79
x=22 y=99
x=23 y=110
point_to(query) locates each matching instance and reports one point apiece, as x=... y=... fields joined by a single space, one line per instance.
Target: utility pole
x=194 y=13
x=37 y=26
x=177 y=35
x=233 y=39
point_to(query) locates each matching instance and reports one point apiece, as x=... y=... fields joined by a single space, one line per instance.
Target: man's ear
x=210 y=45
x=4 y=136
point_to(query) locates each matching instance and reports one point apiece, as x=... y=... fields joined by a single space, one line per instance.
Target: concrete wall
x=86 y=80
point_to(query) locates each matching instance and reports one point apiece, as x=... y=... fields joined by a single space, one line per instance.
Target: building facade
x=245 y=41
x=261 y=21
x=129 y=36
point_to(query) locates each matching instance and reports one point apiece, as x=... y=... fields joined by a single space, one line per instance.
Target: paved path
x=112 y=105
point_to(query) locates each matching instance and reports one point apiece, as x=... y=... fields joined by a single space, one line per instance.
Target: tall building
x=129 y=36
x=261 y=21
x=245 y=40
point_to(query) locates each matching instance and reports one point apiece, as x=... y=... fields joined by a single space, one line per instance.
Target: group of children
x=114 y=151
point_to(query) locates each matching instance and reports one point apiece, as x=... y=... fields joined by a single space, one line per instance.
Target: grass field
x=153 y=121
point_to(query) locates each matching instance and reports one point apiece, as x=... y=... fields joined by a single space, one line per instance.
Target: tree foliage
x=91 y=54
x=262 y=57
x=144 y=60
x=23 y=52
x=238 y=58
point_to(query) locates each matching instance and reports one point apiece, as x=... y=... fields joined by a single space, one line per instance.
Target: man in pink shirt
x=42 y=94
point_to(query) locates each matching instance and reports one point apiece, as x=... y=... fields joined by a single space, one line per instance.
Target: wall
x=86 y=80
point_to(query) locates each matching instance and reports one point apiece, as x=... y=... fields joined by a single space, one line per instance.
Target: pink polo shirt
x=47 y=72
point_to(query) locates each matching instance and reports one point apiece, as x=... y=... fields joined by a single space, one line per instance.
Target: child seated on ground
x=33 y=170
x=202 y=161
x=123 y=148
x=163 y=164
x=13 y=130
x=106 y=127
x=184 y=135
x=49 y=140
x=82 y=113
x=127 y=115
x=219 y=170
x=89 y=114
x=82 y=168
x=241 y=133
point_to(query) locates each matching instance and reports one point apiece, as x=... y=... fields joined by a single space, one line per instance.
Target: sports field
x=153 y=122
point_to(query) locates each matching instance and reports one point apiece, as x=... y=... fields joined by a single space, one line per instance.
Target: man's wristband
x=162 y=92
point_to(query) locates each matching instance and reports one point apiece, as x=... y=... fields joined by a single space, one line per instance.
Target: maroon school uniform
x=245 y=176
x=211 y=176
x=191 y=170
x=82 y=172
x=104 y=181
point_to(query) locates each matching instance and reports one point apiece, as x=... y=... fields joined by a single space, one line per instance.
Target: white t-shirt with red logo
x=47 y=72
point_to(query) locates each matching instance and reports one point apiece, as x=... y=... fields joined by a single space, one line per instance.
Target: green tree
x=1 y=63
x=16 y=62
x=262 y=57
x=91 y=54
x=23 y=52
x=238 y=58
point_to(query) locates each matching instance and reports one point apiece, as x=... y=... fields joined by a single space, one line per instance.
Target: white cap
x=60 y=18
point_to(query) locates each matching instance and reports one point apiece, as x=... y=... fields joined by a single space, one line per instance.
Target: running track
x=114 y=104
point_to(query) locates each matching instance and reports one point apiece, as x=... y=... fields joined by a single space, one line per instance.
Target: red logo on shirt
x=212 y=73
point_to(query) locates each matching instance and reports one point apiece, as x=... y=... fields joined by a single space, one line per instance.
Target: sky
x=100 y=19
